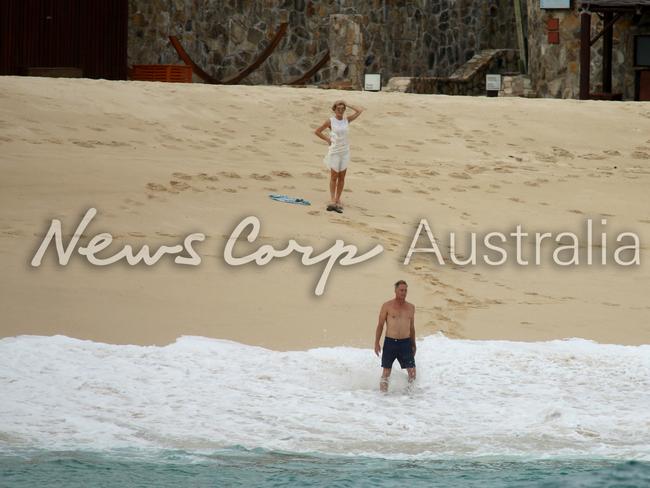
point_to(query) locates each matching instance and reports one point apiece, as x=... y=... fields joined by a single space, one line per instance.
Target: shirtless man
x=399 y=343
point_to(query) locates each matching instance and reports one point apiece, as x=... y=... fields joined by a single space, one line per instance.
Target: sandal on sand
x=338 y=209
x=331 y=207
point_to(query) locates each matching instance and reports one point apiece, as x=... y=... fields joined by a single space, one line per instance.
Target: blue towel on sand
x=286 y=199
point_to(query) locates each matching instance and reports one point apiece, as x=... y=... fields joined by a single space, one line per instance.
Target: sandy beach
x=162 y=161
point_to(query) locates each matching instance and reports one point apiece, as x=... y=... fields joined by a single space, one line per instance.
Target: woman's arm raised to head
x=357 y=112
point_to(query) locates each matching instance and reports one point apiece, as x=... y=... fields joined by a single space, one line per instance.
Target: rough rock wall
x=398 y=37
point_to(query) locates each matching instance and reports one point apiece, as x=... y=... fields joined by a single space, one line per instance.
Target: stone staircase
x=469 y=79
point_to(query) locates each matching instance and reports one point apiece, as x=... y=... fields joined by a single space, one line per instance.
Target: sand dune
x=162 y=161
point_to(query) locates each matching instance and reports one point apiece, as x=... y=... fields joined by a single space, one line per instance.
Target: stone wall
x=397 y=37
x=555 y=68
x=516 y=86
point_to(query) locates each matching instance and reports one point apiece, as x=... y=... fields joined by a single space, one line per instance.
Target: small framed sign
x=372 y=82
x=548 y=4
x=493 y=82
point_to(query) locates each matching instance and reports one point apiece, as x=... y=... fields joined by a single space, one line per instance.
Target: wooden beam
x=609 y=23
x=607 y=52
x=585 y=53
x=523 y=61
x=309 y=74
x=261 y=58
x=198 y=71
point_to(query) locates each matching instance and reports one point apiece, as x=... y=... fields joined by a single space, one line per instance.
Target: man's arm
x=413 y=345
x=357 y=112
x=380 y=327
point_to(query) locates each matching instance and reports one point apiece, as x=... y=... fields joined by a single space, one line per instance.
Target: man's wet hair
x=400 y=282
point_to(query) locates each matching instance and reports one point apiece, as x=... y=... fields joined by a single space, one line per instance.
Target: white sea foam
x=473 y=398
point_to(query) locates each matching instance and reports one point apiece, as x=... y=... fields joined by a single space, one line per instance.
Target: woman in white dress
x=338 y=155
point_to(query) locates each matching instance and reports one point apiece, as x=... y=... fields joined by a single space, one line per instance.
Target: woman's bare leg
x=333 y=184
x=339 y=186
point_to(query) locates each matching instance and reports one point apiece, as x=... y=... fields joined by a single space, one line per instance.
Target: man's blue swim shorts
x=399 y=349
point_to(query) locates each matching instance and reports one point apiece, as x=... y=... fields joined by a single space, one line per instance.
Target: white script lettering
x=265 y=253
x=101 y=241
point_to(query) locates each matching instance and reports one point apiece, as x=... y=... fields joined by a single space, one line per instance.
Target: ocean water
x=205 y=412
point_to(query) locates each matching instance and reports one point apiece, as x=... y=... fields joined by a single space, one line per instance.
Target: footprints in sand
x=503 y=168
x=95 y=143
x=317 y=176
x=13 y=233
x=406 y=147
x=179 y=185
x=437 y=141
x=155 y=187
x=259 y=177
x=640 y=155
x=593 y=156
x=536 y=182
x=200 y=182
x=181 y=182
x=207 y=177
x=546 y=158
x=129 y=203
x=562 y=153
x=475 y=169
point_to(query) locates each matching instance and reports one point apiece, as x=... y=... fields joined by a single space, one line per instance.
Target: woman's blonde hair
x=338 y=102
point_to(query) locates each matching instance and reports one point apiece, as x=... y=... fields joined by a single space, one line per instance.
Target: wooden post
x=607 y=52
x=523 y=61
x=585 y=53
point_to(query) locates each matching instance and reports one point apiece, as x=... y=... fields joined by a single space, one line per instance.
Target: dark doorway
x=85 y=34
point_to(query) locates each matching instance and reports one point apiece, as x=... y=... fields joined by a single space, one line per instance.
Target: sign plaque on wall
x=372 y=82
x=493 y=82
x=555 y=4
